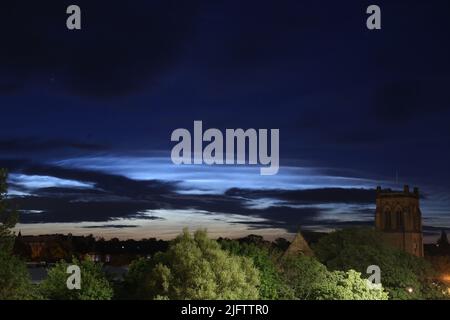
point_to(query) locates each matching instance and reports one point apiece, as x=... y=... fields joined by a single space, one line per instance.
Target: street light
x=410 y=290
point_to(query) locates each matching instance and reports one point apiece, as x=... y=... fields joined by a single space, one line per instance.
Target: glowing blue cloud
x=36 y=182
x=200 y=179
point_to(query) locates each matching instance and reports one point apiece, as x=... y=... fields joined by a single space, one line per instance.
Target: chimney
x=416 y=191
x=406 y=188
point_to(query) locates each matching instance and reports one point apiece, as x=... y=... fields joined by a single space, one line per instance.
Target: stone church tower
x=398 y=216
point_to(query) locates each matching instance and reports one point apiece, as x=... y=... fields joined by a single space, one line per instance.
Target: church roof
x=299 y=246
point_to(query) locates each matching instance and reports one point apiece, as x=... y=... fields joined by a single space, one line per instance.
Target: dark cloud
x=324 y=195
x=107 y=183
x=75 y=209
x=10 y=88
x=79 y=209
x=400 y=102
x=283 y=217
x=433 y=230
x=115 y=226
x=113 y=197
x=293 y=220
x=122 y=46
x=31 y=144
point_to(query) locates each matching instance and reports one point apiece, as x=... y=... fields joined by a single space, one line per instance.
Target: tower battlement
x=394 y=193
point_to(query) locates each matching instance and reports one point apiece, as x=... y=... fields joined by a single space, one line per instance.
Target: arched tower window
x=387 y=220
x=399 y=220
x=417 y=220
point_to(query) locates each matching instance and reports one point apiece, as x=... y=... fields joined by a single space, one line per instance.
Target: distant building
x=97 y=257
x=398 y=216
x=37 y=245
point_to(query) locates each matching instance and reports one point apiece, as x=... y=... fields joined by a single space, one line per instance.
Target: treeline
x=52 y=248
x=196 y=267
x=55 y=247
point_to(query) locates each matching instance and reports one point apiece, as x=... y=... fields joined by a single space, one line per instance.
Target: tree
x=271 y=285
x=21 y=248
x=8 y=217
x=310 y=280
x=403 y=275
x=57 y=250
x=195 y=267
x=443 y=240
x=442 y=266
x=350 y=285
x=136 y=282
x=304 y=275
x=15 y=281
x=281 y=243
x=94 y=284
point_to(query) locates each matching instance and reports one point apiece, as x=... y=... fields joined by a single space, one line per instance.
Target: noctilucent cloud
x=87 y=114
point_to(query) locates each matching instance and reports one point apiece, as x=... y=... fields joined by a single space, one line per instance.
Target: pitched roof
x=299 y=246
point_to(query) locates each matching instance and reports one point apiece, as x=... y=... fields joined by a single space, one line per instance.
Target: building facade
x=399 y=217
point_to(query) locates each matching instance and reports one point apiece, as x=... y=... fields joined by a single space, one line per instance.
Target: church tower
x=398 y=216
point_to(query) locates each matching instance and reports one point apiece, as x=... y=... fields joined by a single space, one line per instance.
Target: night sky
x=86 y=115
